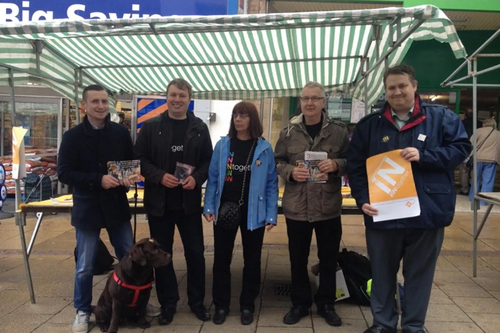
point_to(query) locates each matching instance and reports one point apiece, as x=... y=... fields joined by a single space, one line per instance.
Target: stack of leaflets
x=182 y=171
x=311 y=161
x=121 y=170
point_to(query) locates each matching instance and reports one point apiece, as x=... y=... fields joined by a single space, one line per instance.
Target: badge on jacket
x=258 y=163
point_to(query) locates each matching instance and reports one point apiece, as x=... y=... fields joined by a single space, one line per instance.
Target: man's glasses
x=241 y=115
x=313 y=99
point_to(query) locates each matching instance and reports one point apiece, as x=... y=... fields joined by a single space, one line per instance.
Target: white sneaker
x=81 y=323
x=152 y=311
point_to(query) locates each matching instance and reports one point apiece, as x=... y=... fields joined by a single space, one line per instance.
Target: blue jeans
x=86 y=250
x=486 y=173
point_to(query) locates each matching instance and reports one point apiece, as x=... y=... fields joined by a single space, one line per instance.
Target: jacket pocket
x=327 y=200
x=437 y=188
x=439 y=202
x=332 y=151
x=294 y=199
x=262 y=207
x=296 y=153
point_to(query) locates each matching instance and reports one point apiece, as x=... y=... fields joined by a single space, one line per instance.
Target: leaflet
x=310 y=162
x=391 y=187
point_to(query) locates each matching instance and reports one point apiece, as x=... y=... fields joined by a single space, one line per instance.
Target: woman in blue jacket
x=242 y=171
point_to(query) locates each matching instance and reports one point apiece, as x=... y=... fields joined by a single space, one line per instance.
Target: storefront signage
x=38 y=10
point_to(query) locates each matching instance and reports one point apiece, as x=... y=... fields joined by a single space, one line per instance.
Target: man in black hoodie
x=176 y=136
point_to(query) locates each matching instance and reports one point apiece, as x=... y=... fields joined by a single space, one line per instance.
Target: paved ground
x=459 y=303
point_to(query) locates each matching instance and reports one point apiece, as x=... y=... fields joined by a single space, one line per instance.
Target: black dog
x=128 y=288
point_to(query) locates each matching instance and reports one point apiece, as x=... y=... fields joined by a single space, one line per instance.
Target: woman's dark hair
x=254 y=127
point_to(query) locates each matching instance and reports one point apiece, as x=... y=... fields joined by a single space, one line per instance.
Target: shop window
x=445 y=98
x=278 y=119
x=39 y=118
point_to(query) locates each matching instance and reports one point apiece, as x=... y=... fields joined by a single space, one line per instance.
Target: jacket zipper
x=250 y=195
x=169 y=141
x=221 y=182
x=312 y=145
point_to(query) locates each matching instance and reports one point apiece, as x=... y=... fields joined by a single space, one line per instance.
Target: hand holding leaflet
x=311 y=161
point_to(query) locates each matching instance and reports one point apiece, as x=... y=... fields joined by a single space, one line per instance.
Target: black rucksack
x=104 y=260
x=357 y=272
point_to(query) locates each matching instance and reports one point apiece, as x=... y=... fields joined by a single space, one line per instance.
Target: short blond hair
x=181 y=84
x=490 y=122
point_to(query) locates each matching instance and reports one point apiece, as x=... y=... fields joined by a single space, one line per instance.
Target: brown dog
x=128 y=288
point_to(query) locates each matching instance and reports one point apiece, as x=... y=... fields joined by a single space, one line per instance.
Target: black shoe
x=331 y=317
x=166 y=316
x=377 y=329
x=295 y=314
x=219 y=316
x=246 y=317
x=201 y=312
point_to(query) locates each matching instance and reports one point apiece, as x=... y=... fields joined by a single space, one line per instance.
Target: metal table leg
x=39 y=217
x=21 y=222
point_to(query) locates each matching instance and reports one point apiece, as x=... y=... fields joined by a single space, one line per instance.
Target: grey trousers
x=419 y=249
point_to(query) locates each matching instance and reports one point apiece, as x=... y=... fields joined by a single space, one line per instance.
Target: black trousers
x=223 y=254
x=190 y=228
x=328 y=235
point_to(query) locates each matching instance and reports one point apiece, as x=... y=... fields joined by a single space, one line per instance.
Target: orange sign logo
x=389 y=177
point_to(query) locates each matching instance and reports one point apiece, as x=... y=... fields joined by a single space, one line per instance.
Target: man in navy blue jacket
x=99 y=200
x=434 y=140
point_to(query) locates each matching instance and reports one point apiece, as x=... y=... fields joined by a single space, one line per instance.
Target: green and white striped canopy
x=223 y=57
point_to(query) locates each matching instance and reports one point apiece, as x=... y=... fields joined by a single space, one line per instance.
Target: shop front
x=44 y=112
x=42 y=117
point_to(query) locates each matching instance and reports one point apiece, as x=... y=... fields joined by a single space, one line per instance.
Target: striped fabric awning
x=223 y=57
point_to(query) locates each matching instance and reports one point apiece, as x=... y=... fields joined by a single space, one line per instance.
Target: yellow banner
x=391 y=186
x=18 y=165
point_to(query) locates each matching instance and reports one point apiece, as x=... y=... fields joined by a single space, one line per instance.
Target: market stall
x=491 y=198
x=223 y=57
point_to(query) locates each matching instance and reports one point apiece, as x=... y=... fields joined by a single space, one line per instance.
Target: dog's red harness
x=137 y=289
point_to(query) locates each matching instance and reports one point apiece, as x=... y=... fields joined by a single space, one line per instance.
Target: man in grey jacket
x=309 y=205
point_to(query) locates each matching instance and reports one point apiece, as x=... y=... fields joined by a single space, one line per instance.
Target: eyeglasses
x=313 y=99
x=241 y=115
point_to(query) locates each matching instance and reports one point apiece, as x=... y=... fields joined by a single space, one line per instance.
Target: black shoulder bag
x=470 y=161
x=230 y=212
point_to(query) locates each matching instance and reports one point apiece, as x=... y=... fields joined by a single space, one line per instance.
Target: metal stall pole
x=2 y=133
x=133 y=119
x=19 y=216
x=261 y=110
x=77 y=109
x=271 y=105
x=475 y=203
x=59 y=136
x=365 y=85
x=67 y=107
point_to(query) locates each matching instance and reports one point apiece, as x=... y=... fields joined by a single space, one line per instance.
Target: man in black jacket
x=99 y=200
x=176 y=136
